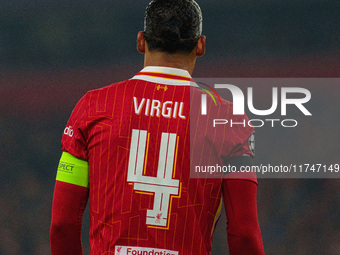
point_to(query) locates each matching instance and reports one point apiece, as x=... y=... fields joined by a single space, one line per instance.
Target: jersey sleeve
x=243 y=230
x=235 y=137
x=241 y=139
x=74 y=139
x=238 y=148
x=73 y=166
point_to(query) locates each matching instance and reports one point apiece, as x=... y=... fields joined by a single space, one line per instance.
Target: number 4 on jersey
x=163 y=186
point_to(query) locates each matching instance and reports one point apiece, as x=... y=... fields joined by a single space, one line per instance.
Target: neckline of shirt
x=165 y=75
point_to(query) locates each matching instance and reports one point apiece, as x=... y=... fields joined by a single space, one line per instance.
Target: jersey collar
x=165 y=75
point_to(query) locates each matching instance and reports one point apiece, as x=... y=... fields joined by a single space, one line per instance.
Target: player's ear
x=141 y=42
x=200 y=49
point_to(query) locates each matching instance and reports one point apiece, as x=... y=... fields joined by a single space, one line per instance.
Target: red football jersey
x=136 y=136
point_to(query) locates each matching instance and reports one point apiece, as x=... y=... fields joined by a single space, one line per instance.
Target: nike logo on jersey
x=156 y=108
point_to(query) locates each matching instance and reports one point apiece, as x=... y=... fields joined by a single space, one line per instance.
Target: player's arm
x=69 y=202
x=240 y=194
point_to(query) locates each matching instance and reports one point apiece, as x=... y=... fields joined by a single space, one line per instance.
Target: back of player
x=141 y=195
x=128 y=148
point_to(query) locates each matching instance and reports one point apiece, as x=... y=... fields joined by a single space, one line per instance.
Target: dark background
x=52 y=52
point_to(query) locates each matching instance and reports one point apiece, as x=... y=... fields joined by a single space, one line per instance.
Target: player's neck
x=181 y=61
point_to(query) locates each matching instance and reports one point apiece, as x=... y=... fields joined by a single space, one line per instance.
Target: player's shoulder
x=213 y=99
x=216 y=106
x=213 y=95
x=106 y=88
x=98 y=99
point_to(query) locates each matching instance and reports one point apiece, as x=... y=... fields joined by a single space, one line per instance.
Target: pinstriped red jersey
x=135 y=136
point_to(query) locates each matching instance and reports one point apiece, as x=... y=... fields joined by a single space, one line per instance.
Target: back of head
x=172 y=26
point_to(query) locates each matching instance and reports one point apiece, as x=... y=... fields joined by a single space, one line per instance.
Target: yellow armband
x=73 y=170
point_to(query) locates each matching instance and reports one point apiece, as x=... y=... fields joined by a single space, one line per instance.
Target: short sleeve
x=75 y=135
x=241 y=151
x=239 y=139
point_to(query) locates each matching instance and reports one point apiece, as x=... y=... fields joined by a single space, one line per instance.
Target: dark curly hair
x=172 y=25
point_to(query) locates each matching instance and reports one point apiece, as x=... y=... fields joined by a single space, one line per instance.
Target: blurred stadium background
x=53 y=51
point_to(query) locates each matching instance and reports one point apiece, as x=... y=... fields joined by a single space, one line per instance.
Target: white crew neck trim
x=161 y=70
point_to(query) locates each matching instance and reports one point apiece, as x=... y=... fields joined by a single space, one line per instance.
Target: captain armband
x=73 y=170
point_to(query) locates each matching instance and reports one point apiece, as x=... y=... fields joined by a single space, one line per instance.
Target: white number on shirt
x=163 y=186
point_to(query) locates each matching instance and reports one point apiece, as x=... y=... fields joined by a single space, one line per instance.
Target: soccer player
x=126 y=149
